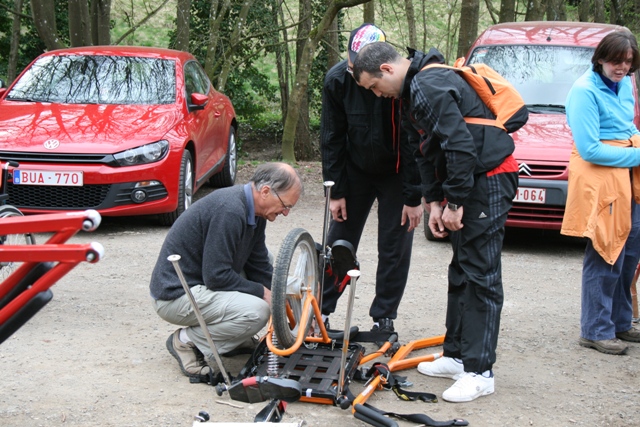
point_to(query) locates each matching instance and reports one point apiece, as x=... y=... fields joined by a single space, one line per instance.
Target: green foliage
x=30 y=45
x=245 y=88
x=246 y=85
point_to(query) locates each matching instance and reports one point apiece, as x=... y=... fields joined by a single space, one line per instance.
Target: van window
x=542 y=74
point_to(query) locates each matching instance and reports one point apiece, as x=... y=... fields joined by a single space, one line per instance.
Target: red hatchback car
x=542 y=60
x=123 y=130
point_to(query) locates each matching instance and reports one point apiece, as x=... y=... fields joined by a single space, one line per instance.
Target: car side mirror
x=198 y=101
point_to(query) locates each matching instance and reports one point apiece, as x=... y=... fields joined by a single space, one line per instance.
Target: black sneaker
x=383 y=324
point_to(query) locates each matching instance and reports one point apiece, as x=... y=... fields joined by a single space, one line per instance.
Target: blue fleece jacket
x=596 y=113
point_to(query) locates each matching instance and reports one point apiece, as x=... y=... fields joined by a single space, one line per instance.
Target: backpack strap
x=469 y=120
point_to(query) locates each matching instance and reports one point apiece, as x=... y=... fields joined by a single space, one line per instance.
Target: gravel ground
x=96 y=354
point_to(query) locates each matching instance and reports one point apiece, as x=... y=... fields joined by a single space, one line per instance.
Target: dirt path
x=96 y=354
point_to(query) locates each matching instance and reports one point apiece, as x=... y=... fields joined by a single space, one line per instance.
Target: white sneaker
x=446 y=367
x=469 y=387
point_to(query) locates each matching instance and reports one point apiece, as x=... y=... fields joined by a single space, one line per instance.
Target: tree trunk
x=216 y=17
x=583 y=10
x=469 y=13
x=79 y=24
x=556 y=10
x=368 y=12
x=616 y=17
x=101 y=22
x=238 y=28
x=507 y=11
x=183 y=14
x=284 y=64
x=535 y=10
x=302 y=145
x=12 y=65
x=598 y=11
x=44 y=19
x=411 y=23
x=332 y=41
x=302 y=75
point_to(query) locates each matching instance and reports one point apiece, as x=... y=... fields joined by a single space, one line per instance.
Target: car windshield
x=80 y=79
x=542 y=74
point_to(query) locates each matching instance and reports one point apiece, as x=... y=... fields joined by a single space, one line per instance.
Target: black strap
x=421 y=418
x=391 y=382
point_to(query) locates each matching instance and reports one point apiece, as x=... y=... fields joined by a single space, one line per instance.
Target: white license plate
x=531 y=195
x=35 y=177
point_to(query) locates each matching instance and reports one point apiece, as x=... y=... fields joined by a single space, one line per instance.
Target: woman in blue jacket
x=601 y=204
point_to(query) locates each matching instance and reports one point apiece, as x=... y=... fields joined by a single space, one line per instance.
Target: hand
x=413 y=214
x=453 y=219
x=338 y=208
x=436 y=225
x=267 y=296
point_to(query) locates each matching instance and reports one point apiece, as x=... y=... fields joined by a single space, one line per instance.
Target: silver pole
x=353 y=274
x=325 y=226
x=174 y=260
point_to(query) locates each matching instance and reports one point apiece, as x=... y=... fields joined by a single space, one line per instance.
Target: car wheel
x=185 y=190
x=427 y=231
x=227 y=176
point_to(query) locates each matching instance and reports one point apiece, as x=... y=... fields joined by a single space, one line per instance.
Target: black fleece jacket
x=359 y=128
x=451 y=152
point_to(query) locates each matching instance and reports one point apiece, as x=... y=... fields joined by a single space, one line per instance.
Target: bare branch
x=139 y=24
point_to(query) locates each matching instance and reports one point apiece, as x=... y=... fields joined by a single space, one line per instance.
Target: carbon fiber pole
x=174 y=260
x=353 y=274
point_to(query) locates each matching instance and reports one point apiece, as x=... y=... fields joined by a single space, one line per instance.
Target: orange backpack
x=496 y=92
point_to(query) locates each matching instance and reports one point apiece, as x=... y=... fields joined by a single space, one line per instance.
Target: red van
x=542 y=60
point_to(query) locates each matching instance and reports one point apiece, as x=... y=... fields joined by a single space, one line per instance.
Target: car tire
x=227 y=176
x=427 y=231
x=185 y=190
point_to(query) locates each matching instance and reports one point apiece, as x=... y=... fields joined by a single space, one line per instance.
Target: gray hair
x=280 y=177
x=372 y=56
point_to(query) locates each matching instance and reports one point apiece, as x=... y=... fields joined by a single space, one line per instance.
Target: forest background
x=270 y=56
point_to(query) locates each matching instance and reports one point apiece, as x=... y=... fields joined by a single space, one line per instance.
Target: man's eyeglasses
x=286 y=208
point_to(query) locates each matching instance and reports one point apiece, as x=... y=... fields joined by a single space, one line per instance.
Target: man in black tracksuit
x=472 y=167
x=365 y=153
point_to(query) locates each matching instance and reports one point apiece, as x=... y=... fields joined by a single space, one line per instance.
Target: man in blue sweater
x=225 y=261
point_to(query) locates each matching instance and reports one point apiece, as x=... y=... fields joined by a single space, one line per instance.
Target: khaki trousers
x=232 y=317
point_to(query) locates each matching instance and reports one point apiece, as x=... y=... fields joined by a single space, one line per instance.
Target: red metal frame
x=55 y=250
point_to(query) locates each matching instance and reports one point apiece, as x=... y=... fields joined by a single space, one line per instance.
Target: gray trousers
x=232 y=317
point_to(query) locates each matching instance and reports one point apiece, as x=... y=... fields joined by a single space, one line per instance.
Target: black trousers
x=475 y=294
x=394 y=242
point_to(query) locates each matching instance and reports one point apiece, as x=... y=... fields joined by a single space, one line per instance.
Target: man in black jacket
x=364 y=152
x=472 y=167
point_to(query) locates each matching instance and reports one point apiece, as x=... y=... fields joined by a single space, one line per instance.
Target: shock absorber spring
x=272 y=363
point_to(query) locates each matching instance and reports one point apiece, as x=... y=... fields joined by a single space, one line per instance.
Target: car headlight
x=144 y=154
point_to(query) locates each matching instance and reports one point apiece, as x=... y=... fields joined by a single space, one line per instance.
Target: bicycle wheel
x=295 y=272
x=6 y=268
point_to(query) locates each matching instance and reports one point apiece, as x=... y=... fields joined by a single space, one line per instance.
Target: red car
x=542 y=60
x=123 y=130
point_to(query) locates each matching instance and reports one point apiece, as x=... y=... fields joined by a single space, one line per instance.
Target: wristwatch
x=452 y=206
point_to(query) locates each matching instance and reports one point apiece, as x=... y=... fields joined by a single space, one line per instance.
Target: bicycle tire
x=295 y=269
x=6 y=268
